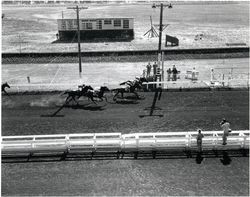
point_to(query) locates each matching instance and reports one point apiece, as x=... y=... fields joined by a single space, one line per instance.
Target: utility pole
x=79 y=38
x=160 y=58
x=160 y=30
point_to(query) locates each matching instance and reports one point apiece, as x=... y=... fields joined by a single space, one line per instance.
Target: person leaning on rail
x=174 y=71
x=199 y=140
x=225 y=125
x=149 y=69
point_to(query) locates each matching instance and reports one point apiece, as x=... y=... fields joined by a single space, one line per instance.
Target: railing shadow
x=226 y=156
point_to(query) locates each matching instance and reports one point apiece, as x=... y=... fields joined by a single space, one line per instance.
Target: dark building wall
x=93 y=35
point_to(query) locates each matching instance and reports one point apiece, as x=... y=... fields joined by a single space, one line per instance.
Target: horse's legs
x=92 y=99
x=75 y=100
x=122 y=93
x=105 y=98
x=101 y=99
x=66 y=101
x=116 y=95
x=137 y=96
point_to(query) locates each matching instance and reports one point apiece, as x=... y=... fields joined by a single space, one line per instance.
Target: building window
x=89 y=26
x=117 y=23
x=107 y=22
x=63 y=24
x=125 y=24
x=83 y=25
x=70 y=24
x=99 y=24
x=75 y=22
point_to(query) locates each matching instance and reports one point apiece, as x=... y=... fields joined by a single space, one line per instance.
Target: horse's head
x=104 y=88
x=142 y=79
x=5 y=85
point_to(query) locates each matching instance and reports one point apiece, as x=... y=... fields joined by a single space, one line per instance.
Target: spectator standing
x=199 y=140
x=193 y=74
x=149 y=69
x=225 y=125
x=212 y=76
x=144 y=73
x=154 y=68
x=174 y=71
x=169 y=73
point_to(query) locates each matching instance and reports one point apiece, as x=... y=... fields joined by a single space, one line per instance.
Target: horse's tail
x=123 y=83
x=65 y=92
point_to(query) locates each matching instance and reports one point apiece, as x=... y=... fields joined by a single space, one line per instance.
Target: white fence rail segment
x=116 y=142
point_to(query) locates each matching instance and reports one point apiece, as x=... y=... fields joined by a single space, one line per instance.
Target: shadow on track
x=157 y=96
x=89 y=107
x=226 y=160
x=78 y=156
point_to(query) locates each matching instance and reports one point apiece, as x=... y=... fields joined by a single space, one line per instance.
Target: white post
x=212 y=76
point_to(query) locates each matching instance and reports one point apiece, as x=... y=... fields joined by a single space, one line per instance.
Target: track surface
x=160 y=177
x=183 y=111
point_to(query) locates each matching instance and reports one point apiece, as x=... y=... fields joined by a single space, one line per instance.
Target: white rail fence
x=116 y=142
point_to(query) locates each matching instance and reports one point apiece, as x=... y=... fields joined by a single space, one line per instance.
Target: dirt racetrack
x=160 y=177
x=183 y=111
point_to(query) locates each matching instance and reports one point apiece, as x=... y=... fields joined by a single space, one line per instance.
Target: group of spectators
x=147 y=73
x=174 y=71
x=225 y=125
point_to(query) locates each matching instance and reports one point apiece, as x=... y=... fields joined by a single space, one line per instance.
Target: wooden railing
x=116 y=142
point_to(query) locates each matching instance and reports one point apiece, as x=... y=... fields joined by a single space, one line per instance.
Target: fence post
x=137 y=141
x=244 y=145
x=67 y=142
x=94 y=138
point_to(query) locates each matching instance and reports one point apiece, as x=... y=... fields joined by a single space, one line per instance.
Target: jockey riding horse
x=86 y=91
x=97 y=93
x=73 y=94
x=131 y=87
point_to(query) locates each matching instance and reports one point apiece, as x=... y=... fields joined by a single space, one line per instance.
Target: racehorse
x=5 y=85
x=91 y=94
x=73 y=94
x=131 y=87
